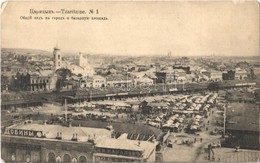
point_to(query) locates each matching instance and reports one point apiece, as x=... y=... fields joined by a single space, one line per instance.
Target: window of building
x=58 y=56
x=67 y=158
x=127 y=153
x=51 y=157
x=58 y=63
x=82 y=159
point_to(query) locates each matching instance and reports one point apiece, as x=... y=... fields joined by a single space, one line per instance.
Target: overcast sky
x=182 y=28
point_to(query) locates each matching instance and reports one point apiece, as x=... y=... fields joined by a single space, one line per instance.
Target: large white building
x=82 y=67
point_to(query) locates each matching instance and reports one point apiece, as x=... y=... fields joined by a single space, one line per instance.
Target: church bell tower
x=57 y=58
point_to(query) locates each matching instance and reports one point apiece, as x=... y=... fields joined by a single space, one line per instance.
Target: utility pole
x=225 y=110
x=91 y=95
x=127 y=80
x=66 y=114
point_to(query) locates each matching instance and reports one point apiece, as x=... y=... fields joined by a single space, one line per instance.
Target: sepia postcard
x=130 y=81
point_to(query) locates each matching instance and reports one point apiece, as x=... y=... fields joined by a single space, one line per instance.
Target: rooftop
x=50 y=131
x=229 y=155
x=243 y=117
x=125 y=144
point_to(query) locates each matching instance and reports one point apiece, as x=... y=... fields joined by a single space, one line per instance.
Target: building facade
x=24 y=149
x=228 y=75
x=4 y=83
x=124 y=150
x=214 y=75
x=240 y=74
x=35 y=82
x=33 y=142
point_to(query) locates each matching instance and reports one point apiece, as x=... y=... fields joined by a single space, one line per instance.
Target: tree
x=63 y=73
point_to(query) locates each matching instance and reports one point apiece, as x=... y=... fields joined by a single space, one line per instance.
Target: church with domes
x=82 y=66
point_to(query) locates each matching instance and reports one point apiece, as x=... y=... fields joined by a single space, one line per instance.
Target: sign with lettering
x=25 y=133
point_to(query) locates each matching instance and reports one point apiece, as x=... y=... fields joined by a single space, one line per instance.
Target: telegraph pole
x=225 y=110
x=66 y=114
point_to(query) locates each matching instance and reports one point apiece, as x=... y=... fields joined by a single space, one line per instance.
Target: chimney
x=75 y=137
x=58 y=135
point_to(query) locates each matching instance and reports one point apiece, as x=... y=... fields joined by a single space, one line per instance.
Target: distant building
x=229 y=75
x=144 y=81
x=240 y=74
x=161 y=77
x=142 y=68
x=170 y=76
x=35 y=81
x=82 y=67
x=243 y=65
x=4 y=83
x=119 y=80
x=185 y=68
x=99 y=81
x=96 y=81
x=256 y=70
x=213 y=75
